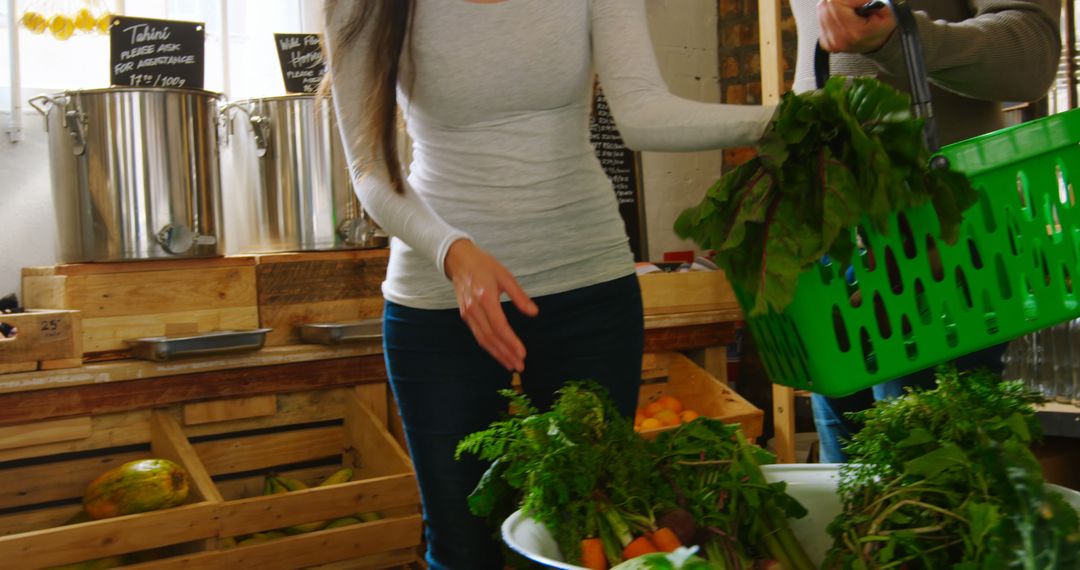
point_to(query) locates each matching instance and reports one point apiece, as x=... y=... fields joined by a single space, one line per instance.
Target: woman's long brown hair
x=390 y=21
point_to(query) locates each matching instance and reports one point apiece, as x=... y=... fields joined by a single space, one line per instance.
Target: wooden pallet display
x=676 y=375
x=120 y=301
x=299 y=288
x=46 y=340
x=227 y=447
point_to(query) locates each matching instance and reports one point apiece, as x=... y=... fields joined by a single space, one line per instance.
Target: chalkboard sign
x=157 y=53
x=302 y=65
x=623 y=167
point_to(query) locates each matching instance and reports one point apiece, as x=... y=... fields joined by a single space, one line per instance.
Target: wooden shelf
x=186 y=386
x=127 y=370
x=1059 y=420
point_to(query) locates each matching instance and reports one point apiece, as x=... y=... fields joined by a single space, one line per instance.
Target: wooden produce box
x=44 y=491
x=309 y=436
x=687 y=292
x=676 y=375
x=227 y=446
x=299 y=288
x=121 y=301
x=46 y=340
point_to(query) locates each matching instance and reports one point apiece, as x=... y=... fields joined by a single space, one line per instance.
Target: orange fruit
x=650 y=423
x=652 y=408
x=667 y=417
x=670 y=402
x=638 y=417
x=688 y=416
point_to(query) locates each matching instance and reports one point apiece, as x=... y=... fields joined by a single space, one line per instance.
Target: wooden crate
x=227 y=447
x=688 y=292
x=676 y=375
x=299 y=288
x=310 y=436
x=47 y=340
x=43 y=492
x=120 y=301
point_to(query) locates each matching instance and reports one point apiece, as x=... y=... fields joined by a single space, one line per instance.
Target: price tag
x=623 y=167
x=157 y=53
x=302 y=65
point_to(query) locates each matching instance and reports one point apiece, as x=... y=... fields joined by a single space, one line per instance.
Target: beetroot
x=682 y=523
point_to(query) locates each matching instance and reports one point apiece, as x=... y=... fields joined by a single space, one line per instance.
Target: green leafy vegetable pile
x=714 y=473
x=582 y=471
x=945 y=478
x=832 y=158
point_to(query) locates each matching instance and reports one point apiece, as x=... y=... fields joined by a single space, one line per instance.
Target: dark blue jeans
x=446 y=387
x=835 y=428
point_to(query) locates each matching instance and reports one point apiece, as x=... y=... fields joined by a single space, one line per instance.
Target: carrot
x=637 y=547
x=592 y=554
x=665 y=540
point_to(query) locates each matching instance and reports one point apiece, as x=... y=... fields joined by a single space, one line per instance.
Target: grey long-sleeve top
x=978 y=53
x=498 y=113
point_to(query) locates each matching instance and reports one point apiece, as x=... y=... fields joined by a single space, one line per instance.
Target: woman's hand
x=842 y=30
x=479 y=281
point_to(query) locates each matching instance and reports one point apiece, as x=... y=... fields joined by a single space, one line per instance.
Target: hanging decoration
x=64 y=18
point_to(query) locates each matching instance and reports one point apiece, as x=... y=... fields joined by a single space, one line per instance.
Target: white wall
x=27 y=230
x=687 y=46
x=685 y=34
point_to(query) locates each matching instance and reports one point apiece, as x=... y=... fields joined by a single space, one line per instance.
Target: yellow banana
x=343 y=475
x=343 y=521
x=272 y=534
x=253 y=540
x=306 y=527
x=292 y=484
x=276 y=487
x=369 y=517
x=260 y=537
x=228 y=542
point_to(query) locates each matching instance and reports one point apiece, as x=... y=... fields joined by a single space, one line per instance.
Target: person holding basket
x=978 y=54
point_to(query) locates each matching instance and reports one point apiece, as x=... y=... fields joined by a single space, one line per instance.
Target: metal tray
x=163 y=348
x=338 y=333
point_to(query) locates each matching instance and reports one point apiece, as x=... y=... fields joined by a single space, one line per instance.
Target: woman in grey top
x=504 y=197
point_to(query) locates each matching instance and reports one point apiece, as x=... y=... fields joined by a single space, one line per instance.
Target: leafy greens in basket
x=834 y=158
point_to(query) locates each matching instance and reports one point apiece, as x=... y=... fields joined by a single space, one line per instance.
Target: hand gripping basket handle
x=916 y=69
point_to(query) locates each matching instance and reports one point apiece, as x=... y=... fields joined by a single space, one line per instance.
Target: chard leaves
x=833 y=158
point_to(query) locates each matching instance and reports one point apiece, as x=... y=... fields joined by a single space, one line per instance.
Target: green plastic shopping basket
x=921 y=302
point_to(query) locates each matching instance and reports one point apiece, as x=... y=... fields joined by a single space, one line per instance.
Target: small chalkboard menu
x=157 y=53
x=623 y=167
x=302 y=65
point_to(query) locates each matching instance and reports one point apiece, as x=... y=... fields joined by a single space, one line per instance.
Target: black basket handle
x=916 y=68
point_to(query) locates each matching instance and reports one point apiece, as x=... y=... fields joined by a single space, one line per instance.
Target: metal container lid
x=117 y=89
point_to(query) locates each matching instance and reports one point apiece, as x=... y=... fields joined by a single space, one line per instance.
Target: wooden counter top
x=126 y=370
x=664 y=332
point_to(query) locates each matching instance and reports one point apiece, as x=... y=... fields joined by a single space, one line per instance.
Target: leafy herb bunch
x=945 y=478
x=572 y=467
x=715 y=474
x=831 y=159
